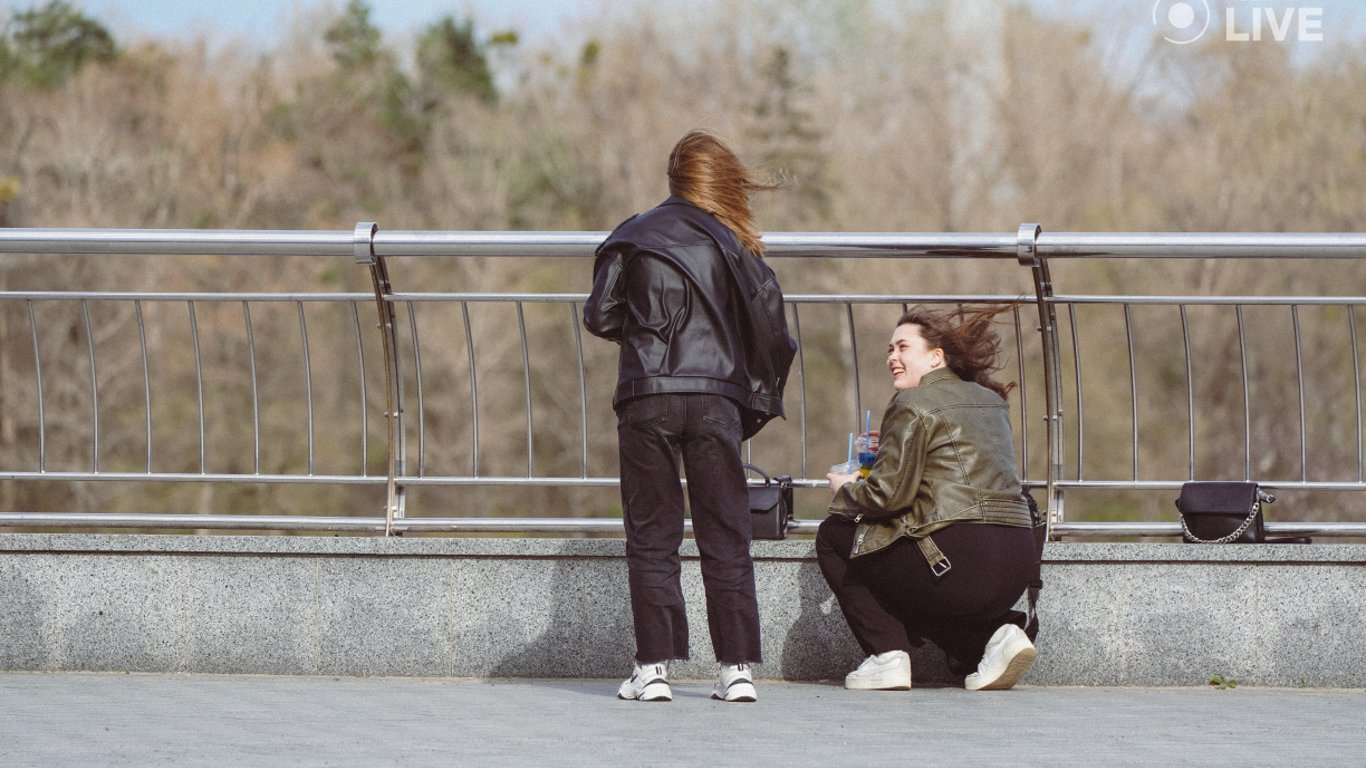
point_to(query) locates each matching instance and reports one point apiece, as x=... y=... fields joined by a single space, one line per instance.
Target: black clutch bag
x=1222 y=512
x=770 y=505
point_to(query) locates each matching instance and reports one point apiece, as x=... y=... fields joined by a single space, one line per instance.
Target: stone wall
x=1112 y=614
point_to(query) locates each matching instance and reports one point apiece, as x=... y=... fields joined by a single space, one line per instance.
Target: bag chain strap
x=1252 y=513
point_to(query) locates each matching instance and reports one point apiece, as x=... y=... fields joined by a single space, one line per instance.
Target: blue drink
x=867 y=452
x=865 y=460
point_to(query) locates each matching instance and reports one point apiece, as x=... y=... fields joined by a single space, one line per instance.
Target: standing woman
x=704 y=357
x=937 y=541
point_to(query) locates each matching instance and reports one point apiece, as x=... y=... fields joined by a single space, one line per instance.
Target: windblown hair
x=704 y=171
x=969 y=343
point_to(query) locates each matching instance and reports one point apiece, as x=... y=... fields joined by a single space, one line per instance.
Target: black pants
x=892 y=601
x=653 y=431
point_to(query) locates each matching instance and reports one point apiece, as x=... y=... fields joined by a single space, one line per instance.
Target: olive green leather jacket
x=945 y=456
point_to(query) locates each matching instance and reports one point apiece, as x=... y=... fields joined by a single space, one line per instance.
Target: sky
x=261 y=19
x=542 y=20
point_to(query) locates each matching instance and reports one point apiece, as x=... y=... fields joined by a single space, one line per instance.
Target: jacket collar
x=678 y=200
x=939 y=374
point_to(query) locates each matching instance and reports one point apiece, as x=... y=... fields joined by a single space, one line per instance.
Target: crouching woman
x=936 y=542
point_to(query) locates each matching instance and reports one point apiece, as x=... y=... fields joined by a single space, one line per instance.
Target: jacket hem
x=673 y=385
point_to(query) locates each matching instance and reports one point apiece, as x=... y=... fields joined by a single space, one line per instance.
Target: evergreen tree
x=354 y=40
x=43 y=47
x=449 y=58
x=791 y=141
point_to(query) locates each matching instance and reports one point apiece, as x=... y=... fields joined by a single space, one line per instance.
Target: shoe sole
x=1015 y=669
x=651 y=692
x=656 y=692
x=876 y=685
x=737 y=692
x=886 y=680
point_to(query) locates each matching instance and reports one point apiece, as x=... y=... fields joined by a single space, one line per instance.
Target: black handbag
x=770 y=505
x=1222 y=512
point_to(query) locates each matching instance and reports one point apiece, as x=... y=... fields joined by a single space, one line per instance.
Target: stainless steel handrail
x=1031 y=247
x=842 y=245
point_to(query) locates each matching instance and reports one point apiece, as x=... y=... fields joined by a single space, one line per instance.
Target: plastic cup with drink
x=866 y=445
x=867 y=452
x=850 y=465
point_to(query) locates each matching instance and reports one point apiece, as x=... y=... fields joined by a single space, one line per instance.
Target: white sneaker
x=734 y=684
x=1008 y=656
x=648 y=682
x=890 y=671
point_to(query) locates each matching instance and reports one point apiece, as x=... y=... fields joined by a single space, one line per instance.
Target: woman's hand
x=837 y=480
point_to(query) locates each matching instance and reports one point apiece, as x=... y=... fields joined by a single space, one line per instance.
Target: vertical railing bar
x=1356 y=379
x=1247 y=397
x=853 y=348
x=1299 y=376
x=1027 y=254
x=801 y=374
x=526 y=377
x=1190 y=394
x=94 y=391
x=146 y=379
x=199 y=388
x=474 y=388
x=583 y=386
x=1081 y=412
x=1133 y=381
x=1024 y=393
x=255 y=392
x=38 y=376
x=363 y=248
x=308 y=379
x=364 y=408
x=421 y=409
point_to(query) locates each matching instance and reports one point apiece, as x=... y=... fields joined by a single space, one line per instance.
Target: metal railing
x=1080 y=362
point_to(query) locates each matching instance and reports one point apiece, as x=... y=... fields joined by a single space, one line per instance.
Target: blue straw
x=868 y=422
x=850 y=457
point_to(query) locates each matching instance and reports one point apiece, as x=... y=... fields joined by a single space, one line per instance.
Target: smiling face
x=909 y=357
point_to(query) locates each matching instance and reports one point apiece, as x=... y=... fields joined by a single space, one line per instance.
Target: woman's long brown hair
x=970 y=344
x=704 y=171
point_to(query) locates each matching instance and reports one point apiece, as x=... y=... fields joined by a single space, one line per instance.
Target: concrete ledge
x=1112 y=614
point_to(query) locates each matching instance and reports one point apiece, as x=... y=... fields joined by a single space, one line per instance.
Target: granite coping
x=796 y=548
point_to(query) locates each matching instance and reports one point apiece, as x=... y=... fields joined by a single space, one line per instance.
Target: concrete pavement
x=84 y=719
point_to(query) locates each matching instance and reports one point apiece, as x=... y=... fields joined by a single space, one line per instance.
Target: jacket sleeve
x=893 y=482
x=771 y=349
x=605 y=308
x=781 y=347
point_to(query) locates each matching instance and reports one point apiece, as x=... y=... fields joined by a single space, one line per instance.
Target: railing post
x=1027 y=252
x=364 y=243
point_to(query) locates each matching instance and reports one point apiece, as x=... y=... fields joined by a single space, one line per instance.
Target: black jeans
x=891 y=600
x=653 y=431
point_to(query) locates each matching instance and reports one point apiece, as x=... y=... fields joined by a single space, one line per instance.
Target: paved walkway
x=198 y=720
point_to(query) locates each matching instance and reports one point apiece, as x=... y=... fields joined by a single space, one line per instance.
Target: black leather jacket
x=692 y=310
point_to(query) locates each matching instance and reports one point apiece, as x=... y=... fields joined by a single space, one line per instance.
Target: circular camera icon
x=1181 y=21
